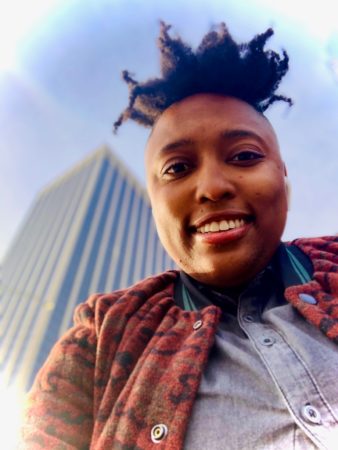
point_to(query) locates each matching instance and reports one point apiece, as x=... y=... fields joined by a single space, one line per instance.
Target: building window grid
x=149 y=244
x=62 y=238
x=21 y=304
x=104 y=277
x=63 y=294
x=20 y=240
x=98 y=280
x=84 y=273
x=131 y=238
x=84 y=290
x=122 y=243
x=24 y=254
x=137 y=245
x=13 y=314
x=121 y=223
x=140 y=244
x=73 y=186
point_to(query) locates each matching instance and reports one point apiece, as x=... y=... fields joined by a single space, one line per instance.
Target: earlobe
x=287 y=187
x=285 y=171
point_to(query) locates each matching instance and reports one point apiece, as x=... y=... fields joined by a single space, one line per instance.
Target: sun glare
x=11 y=406
x=17 y=19
x=319 y=18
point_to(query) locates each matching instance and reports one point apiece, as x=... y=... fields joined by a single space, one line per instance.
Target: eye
x=176 y=169
x=246 y=157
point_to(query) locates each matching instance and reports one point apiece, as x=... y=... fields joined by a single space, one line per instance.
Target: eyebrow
x=226 y=134
x=176 y=144
x=240 y=133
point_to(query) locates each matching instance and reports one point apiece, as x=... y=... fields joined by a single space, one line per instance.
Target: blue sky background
x=61 y=90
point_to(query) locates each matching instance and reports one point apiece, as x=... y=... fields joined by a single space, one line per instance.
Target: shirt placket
x=294 y=381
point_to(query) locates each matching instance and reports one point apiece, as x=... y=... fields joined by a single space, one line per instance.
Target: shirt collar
x=288 y=267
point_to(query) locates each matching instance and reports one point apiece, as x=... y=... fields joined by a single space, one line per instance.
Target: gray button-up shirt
x=271 y=378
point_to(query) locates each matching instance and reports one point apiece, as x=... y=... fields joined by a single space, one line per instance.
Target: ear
x=287 y=188
x=285 y=170
x=288 y=192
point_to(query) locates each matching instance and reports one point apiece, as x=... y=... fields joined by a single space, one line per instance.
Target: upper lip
x=220 y=215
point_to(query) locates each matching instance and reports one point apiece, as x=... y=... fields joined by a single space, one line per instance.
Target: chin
x=233 y=273
x=217 y=279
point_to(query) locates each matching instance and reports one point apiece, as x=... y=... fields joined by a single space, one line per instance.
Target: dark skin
x=215 y=180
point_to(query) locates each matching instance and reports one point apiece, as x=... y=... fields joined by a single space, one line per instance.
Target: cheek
x=162 y=209
x=270 y=188
x=166 y=216
x=169 y=230
x=269 y=198
x=168 y=204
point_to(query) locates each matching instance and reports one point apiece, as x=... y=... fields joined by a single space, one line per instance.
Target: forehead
x=204 y=117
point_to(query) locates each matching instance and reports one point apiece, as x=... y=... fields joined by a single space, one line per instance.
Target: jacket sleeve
x=59 y=408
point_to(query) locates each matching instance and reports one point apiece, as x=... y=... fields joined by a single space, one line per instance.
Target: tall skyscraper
x=89 y=231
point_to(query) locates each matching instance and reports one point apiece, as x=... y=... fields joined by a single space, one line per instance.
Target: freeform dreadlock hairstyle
x=219 y=65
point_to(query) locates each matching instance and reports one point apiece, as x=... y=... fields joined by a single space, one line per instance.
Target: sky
x=61 y=90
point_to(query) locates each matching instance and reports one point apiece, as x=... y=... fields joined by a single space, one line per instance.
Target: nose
x=214 y=183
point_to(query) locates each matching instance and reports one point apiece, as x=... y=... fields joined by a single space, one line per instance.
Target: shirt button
x=306 y=298
x=197 y=324
x=267 y=341
x=159 y=432
x=311 y=414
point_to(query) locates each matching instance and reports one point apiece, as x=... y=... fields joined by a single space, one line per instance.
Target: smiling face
x=216 y=185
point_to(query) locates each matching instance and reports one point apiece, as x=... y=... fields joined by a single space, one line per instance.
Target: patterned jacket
x=134 y=360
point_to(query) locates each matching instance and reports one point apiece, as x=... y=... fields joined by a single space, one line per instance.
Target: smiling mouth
x=221 y=225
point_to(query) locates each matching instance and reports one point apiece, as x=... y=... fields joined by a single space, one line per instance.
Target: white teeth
x=223 y=225
x=214 y=226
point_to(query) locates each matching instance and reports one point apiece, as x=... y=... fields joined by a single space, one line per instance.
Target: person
x=238 y=348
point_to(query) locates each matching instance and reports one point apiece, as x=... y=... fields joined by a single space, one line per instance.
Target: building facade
x=89 y=231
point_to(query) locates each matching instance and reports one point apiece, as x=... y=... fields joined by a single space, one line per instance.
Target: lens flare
x=11 y=408
x=17 y=19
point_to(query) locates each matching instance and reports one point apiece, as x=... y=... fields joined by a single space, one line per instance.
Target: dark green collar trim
x=188 y=304
x=295 y=267
x=290 y=265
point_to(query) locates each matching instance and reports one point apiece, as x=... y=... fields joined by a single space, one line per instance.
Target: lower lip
x=224 y=237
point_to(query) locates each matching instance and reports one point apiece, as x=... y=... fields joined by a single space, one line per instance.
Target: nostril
x=215 y=196
x=214 y=182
